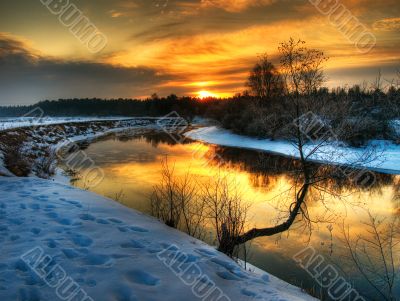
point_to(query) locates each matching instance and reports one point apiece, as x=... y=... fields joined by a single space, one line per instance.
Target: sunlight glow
x=206 y=94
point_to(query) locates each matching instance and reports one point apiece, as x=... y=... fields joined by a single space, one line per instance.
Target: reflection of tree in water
x=264 y=169
x=155 y=138
x=152 y=137
x=396 y=194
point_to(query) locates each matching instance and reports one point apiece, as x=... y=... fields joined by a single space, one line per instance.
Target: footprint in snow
x=132 y=228
x=124 y=293
x=3 y=228
x=41 y=198
x=64 y=221
x=14 y=237
x=51 y=243
x=97 y=259
x=36 y=231
x=91 y=282
x=248 y=293
x=102 y=221
x=24 y=194
x=226 y=264
x=87 y=217
x=52 y=215
x=16 y=221
x=82 y=240
x=115 y=221
x=138 y=229
x=227 y=276
x=142 y=277
x=34 y=206
x=123 y=229
x=75 y=203
x=132 y=244
x=265 y=278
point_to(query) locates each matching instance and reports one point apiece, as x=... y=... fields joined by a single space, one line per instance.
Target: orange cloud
x=235 y=5
x=389 y=24
x=219 y=62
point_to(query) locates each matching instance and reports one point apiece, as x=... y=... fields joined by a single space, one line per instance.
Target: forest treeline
x=366 y=113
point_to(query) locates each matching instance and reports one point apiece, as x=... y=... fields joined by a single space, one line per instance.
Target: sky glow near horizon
x=195 y=47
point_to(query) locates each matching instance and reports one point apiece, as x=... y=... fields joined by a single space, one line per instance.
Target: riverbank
x=23 y=149
x=85 y=233
x=111 y=252
x=380 y=156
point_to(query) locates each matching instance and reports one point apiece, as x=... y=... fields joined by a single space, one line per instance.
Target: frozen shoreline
x=86 y=233
x=8 y=123
x=386 y=160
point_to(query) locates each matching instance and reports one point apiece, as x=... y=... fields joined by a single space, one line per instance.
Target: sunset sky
x=185 y=47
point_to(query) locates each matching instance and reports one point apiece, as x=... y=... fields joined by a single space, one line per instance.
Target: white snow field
x=104 y=251
x=384 y=156
x=7 y=123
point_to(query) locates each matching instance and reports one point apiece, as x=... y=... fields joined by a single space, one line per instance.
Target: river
x=132 y=167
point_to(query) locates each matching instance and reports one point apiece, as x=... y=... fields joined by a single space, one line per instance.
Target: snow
x=8 y=123
x=109 y=251
x=382 y=156
x=4 y=171
x=40 y=138
x=396 y=126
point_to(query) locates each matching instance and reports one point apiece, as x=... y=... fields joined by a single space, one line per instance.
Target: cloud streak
x=235 y=6
x=27 y=77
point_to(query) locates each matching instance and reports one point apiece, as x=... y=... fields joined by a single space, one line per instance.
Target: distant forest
x=359 y=113
x=108 y=107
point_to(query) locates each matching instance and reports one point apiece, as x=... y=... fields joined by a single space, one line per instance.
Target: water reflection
x=132 y=165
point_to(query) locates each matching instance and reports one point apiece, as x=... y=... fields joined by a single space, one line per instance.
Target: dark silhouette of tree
x=302 y=68
x=265 y=81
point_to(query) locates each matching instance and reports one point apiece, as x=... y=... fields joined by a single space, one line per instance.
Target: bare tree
x=227 y=211
x=302 y=67
x=165 y=204
x=118 y=196
x=192 y=205
x=310 y=135
x=176 y=202
x=375 y=254
x=265 y=80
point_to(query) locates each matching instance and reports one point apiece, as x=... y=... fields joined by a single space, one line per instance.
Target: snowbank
x=7 y=123
x=111 y=252
x=4 y=171
x=386 y=157
x=35 y=141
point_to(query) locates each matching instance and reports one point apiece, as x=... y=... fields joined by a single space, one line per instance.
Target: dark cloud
x=26 y=77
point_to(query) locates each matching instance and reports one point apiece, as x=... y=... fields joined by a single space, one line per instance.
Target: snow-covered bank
x=386 y=156
x=7 y=123
x=35 y=142
x=112 y=252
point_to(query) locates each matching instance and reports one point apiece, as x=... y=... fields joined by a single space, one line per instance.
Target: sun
x=206 y=94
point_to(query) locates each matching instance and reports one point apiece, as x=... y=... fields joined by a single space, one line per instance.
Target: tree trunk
x=230 y=243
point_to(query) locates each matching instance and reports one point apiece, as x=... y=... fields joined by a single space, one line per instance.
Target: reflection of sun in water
x=205 y=94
